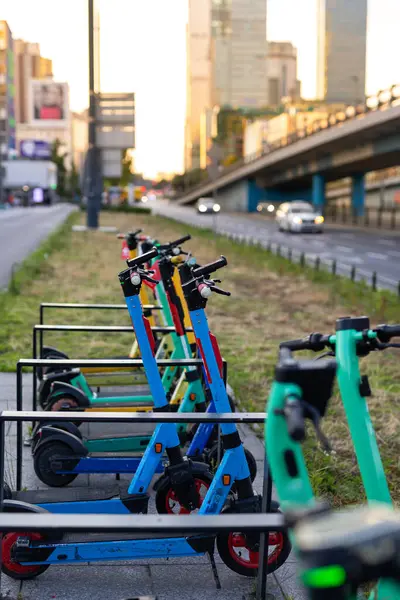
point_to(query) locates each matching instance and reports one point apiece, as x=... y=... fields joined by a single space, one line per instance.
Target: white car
x=299 y=217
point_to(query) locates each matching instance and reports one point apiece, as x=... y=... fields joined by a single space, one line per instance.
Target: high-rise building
x=29 y=64
x=198 y=35
x=7 y=90
x=238 y=53
x=342 y=37
x=79 y=139
x=282 y=79
x=208 y=130
x=226 y=63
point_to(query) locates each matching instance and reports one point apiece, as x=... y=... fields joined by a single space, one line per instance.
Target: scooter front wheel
x=9 y=566
x=167 y=502
x=241 y=553
x=212 y=460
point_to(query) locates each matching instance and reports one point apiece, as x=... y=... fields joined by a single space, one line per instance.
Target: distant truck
x=24 y=177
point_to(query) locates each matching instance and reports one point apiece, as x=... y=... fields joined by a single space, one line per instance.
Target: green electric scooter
x=302 y=390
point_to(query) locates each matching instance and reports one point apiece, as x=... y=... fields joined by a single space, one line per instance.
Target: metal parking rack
x=87 y=306
x=154 y=524
x=80 y=328
x=80 y=306
x=79 y=362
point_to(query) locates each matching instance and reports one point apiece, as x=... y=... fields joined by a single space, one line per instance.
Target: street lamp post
x=93 y=204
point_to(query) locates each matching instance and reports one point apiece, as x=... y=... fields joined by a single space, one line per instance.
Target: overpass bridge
x=347 y=144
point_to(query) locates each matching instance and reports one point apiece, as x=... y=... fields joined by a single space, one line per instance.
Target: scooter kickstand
x=214 y=570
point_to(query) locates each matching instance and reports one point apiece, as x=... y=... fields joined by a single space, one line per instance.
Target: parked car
x=299 y=217
x=207 y=205
x=266 y=208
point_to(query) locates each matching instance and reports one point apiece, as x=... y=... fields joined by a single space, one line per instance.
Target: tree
x=127 y=163
x=188 y=179
x=73 y=181
x=230 y=160
x=58 y=158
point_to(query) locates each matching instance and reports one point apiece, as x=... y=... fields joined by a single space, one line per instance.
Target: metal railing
x=378 y=217
x=154 y=524
x=372 y=278
x=81 y=306
x=79 y=362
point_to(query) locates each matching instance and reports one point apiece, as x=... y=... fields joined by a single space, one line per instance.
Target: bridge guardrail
x=380 y=101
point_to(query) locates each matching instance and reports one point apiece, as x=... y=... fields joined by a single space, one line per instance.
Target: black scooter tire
x=238 y=565
x=41 y=464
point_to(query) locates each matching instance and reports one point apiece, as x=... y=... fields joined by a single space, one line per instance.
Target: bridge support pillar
x=318 y=192
x=255 y=193
x=358 y=194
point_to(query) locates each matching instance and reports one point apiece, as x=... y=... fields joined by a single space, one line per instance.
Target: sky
x=143 y=50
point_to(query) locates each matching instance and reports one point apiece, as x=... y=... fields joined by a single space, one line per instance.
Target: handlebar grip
x=387 y=332
x=143 y=258
x=295 y=419
x=180 y=241
x=300 y=344
x=210 y=267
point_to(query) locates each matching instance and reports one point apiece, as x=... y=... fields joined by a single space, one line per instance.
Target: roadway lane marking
x=344 y=249
x=355 y=259
x=348 y=236
x=394 y=253
x=387 y=242
x=377 y=255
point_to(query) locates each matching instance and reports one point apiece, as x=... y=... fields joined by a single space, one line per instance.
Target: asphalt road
x=367 y=251
x=22 y=230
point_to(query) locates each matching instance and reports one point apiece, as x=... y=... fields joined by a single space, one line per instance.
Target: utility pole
x=93 y=203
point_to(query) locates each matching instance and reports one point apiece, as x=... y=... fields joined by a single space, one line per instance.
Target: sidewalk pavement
x=177 y=579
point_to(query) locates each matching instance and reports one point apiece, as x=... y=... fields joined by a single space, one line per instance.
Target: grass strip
x=272 y=300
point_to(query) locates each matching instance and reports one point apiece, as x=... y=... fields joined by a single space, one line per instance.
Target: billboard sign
x=35 y=149
x=49 y=104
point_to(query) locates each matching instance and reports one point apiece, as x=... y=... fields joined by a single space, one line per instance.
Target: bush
x=124 y=208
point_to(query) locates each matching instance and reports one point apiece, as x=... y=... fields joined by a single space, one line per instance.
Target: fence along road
x=351 y=252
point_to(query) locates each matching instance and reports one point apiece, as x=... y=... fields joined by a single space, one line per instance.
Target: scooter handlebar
x=122 y=236
x=315 y=341
x=180 y=241
x=386 y=332
x=143 y=258
x=210 y=267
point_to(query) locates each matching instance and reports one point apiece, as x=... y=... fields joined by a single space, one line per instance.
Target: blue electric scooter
x=60 y=455
x=183 y=475
x=28 y=555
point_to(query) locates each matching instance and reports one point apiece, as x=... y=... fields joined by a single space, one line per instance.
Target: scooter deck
x=67 y=494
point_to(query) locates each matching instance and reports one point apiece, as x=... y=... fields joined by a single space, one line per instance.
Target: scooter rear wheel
x=64 y=403
x=242 y=557
x=50 y=354
x=42 y=460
